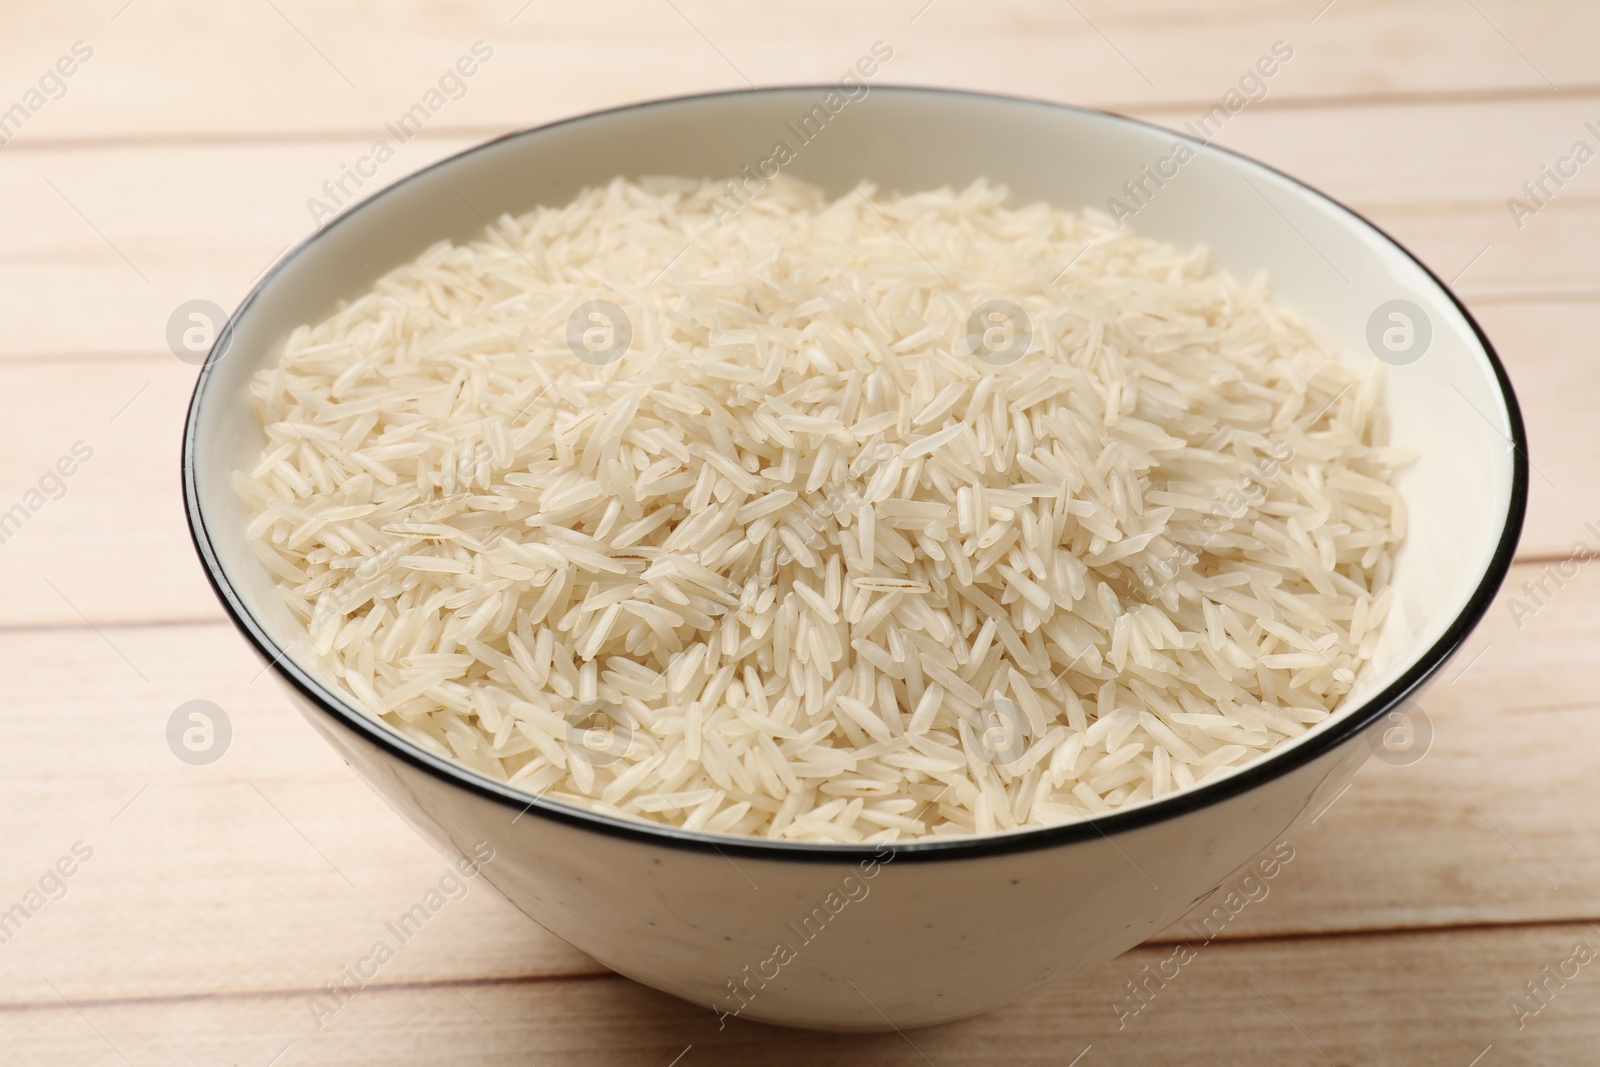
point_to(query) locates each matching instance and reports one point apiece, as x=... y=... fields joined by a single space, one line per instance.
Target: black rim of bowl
x=1266 y=768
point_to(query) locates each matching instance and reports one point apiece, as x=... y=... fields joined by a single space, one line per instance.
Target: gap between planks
x=22 y=1007
x=1147 y=110
x=601 y=974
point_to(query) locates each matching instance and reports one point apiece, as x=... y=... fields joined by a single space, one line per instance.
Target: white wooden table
x=176 y=162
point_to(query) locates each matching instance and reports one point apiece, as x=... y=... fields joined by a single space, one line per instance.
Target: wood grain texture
x=1435 y=997
x=146 y=227
x=219 y=898
x=273 y=867
x=185 y=69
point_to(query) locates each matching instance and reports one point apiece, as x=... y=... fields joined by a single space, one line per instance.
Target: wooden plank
x=232 y=877
x=98 y=262
x=219 y=897
x=1547 y=353
x=1433 y=155
x=51 y=260
x=104 y=225
x=114 y=547
x=271 y=867
x=259 y=69
x=1401 y=999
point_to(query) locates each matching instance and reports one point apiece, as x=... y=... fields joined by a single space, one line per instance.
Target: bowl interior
x=1334 y=269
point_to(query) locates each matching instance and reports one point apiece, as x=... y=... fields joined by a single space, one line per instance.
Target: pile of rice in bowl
x=854 y=519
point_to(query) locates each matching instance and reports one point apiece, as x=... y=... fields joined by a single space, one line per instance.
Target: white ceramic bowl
x=857 y=937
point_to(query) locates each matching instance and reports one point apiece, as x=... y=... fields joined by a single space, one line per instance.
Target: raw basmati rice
x=809 y=561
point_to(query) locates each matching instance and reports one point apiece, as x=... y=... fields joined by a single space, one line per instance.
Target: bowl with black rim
x=909 y=933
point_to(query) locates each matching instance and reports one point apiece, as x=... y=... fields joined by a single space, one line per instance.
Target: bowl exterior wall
x=921 y=937
x=909 y=941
